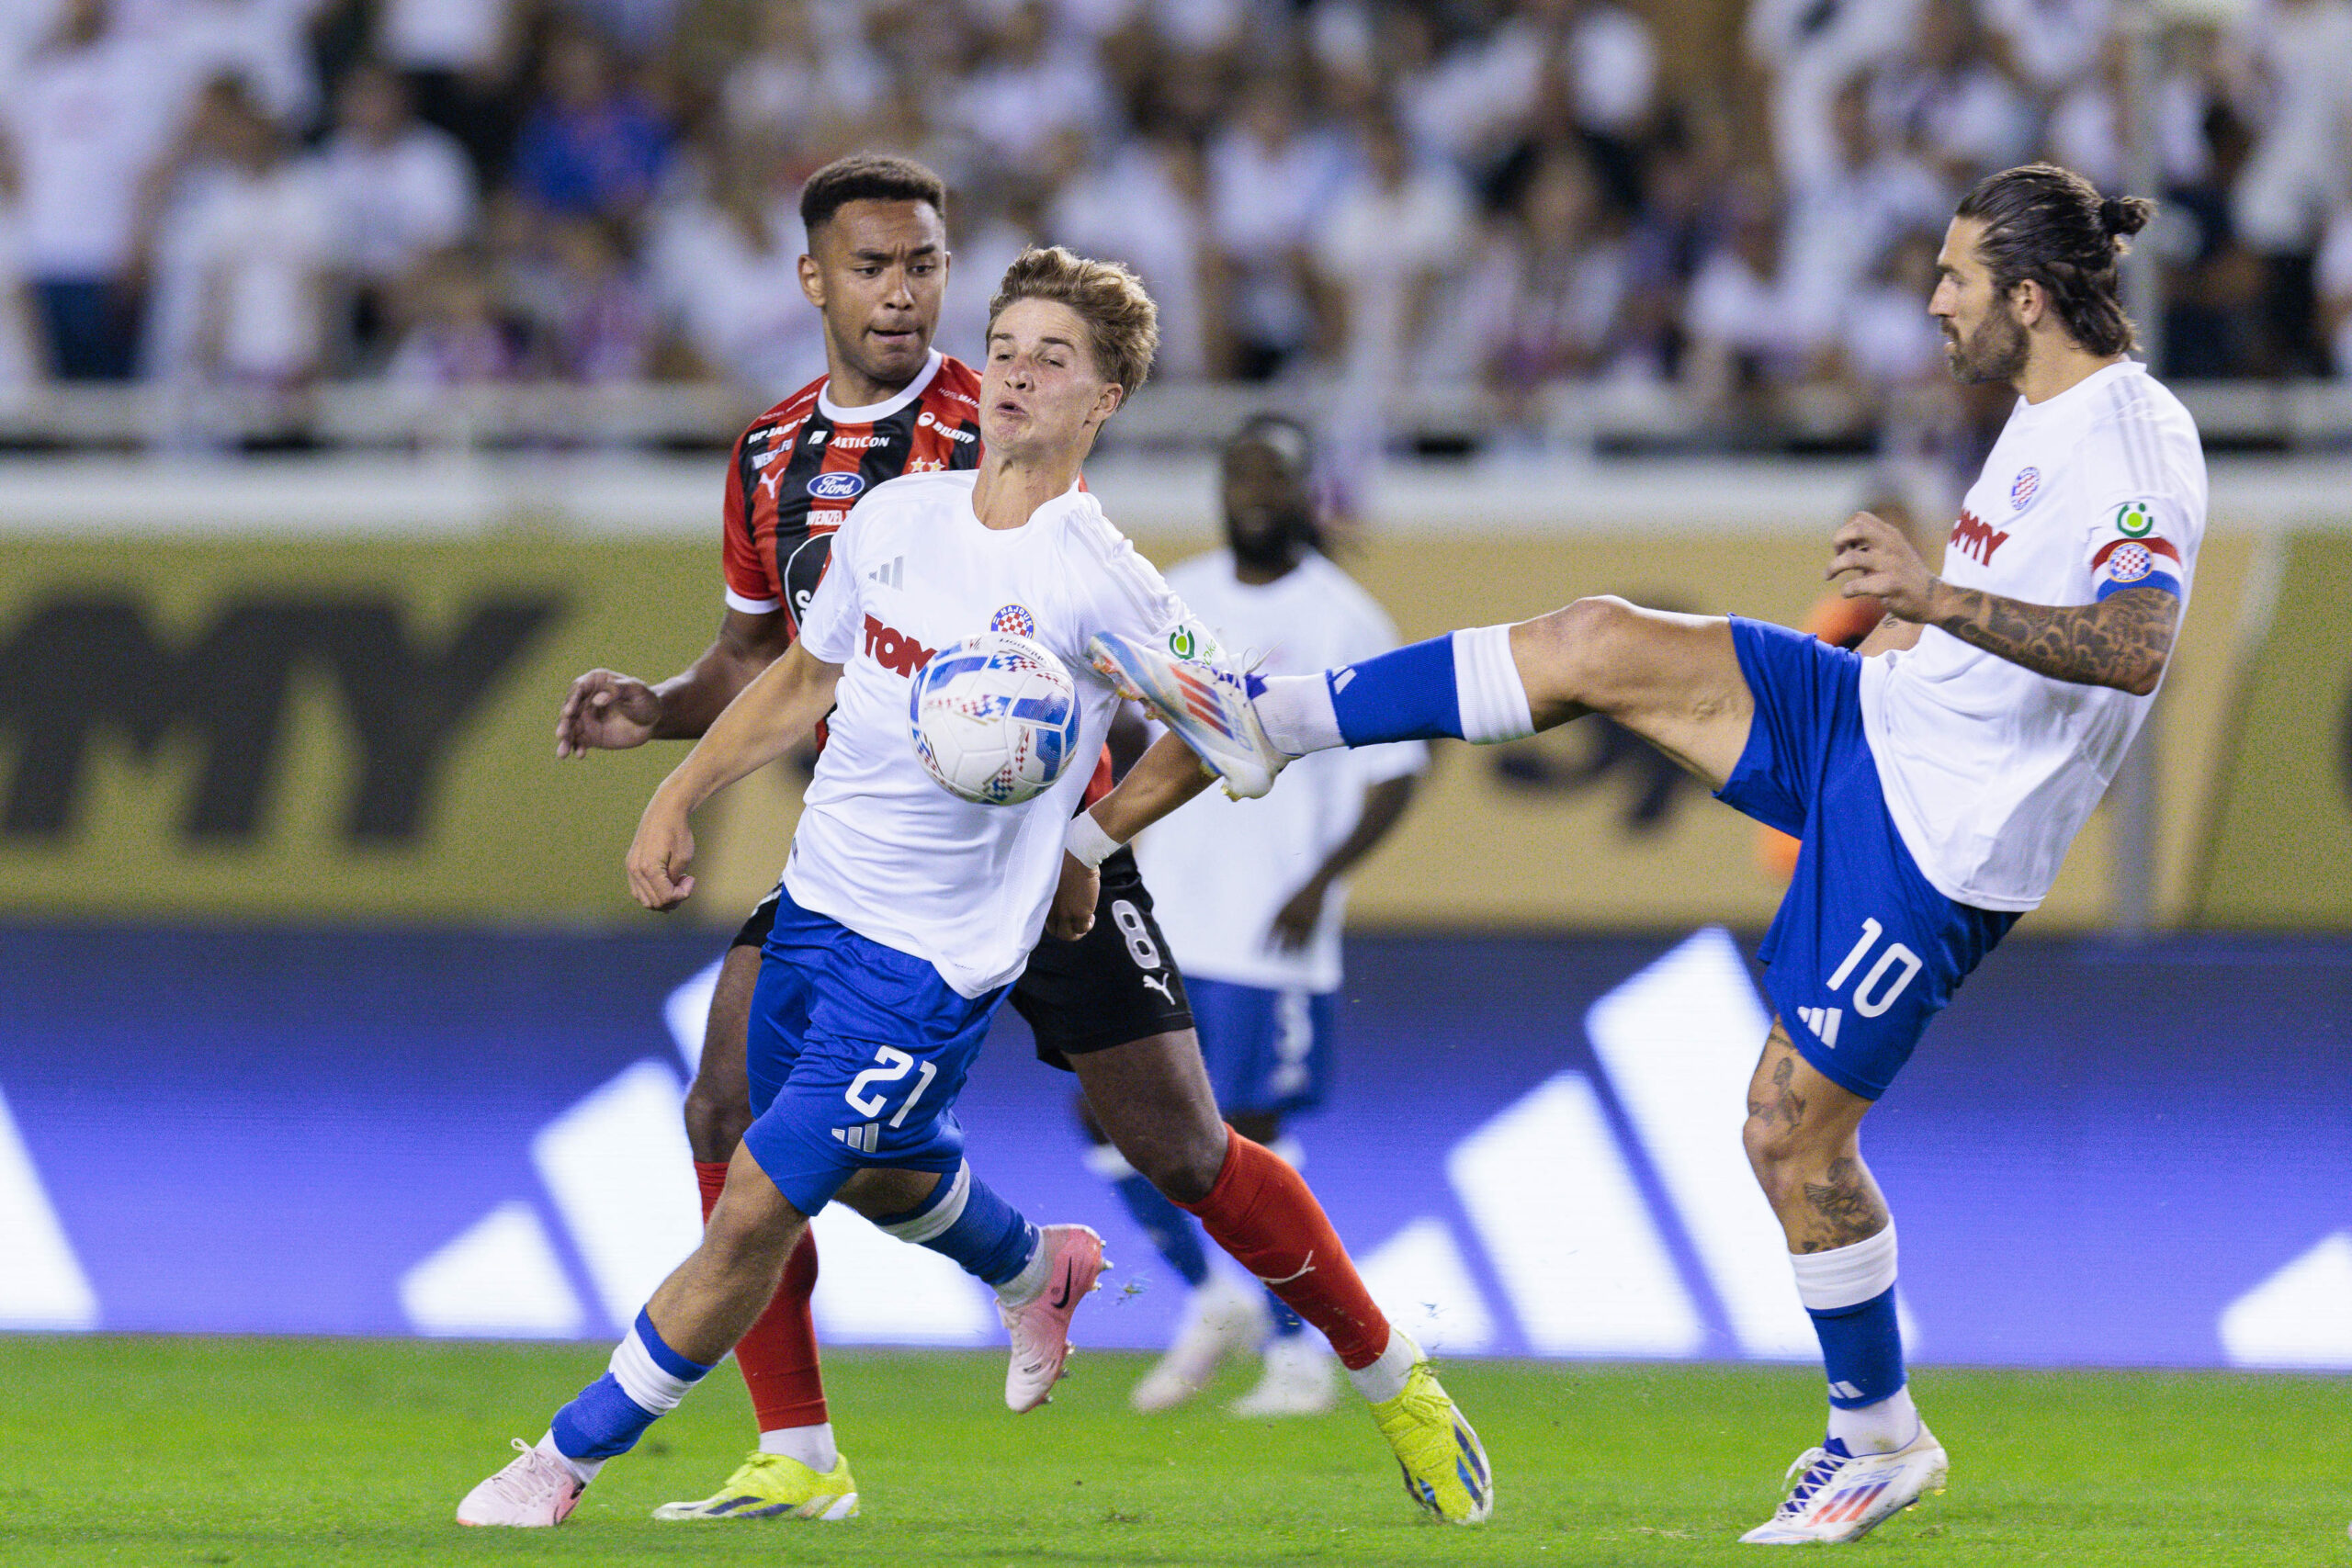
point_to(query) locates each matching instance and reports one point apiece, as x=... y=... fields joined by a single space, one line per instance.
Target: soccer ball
x=994 y=718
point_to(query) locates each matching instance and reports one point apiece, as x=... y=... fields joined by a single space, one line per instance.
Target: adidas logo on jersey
x=891 y=576
x=867 y=1138
x=1823 y=1021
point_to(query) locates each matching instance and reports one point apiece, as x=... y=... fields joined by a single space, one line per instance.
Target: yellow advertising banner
x=2281 y=842
x=362 y=730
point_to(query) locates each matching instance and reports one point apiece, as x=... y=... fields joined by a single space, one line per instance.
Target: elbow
x=2142 y=681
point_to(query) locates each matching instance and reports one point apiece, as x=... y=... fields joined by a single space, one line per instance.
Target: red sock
x=1262 y=1212
x=778 y=1355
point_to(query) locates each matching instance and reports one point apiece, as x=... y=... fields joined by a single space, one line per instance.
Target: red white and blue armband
x=2132 y=554
x=2151 y=562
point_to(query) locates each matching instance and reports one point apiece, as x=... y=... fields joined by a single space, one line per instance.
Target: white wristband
x=1087 y=843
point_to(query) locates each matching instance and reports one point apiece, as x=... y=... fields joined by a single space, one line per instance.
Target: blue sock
x=1406 y=693
x=964 y=1218
x=1287 y=1323
x=1166 y=1226
x=1862 y=1347
x=645 y=1381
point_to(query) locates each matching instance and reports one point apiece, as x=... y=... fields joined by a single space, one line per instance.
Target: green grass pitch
x=300 y=1453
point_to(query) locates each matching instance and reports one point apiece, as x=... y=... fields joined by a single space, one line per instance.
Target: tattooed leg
x=1802 y=1143
x=1802 y=1140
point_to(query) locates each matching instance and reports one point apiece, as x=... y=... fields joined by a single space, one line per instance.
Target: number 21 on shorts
x=892 y=1065
x=1888 y=978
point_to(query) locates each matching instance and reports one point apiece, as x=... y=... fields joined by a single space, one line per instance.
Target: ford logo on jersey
x=835 y=487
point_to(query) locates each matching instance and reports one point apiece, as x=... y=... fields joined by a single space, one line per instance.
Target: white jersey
x=1220 y=869
x=1989 y=769
x=881 y=847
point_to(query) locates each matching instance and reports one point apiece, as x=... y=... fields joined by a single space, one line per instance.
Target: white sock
x=812 y=1445
x=1487 y=686
x=1845 y=1276
x=1296 y=714
x=1879 y=1428
x=1383 y=1380
x=583 y=1469
x=1026 y=1286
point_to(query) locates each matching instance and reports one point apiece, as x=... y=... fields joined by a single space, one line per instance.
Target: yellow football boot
x=1444 y=1464
x=772 y=1486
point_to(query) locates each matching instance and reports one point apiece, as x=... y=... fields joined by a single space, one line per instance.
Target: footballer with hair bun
x=1933 y=776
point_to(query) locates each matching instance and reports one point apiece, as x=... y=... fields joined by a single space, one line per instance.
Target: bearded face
x=1995 y=350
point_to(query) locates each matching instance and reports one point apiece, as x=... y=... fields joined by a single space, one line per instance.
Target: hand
x=1878 y=562
x=1295 y=922
x=1071 y=915
x=657 y=857
x=605 y=711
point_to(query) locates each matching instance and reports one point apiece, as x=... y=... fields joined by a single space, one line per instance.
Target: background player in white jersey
x=1933 y=777
x=1252 y=894
x=905 y=914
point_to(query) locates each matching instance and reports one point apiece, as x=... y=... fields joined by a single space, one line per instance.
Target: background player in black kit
x=889 y=404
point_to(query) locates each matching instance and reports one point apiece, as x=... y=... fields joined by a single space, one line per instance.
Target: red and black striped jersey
x=803 y=463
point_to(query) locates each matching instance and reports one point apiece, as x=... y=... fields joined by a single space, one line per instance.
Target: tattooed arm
x=2122 y=641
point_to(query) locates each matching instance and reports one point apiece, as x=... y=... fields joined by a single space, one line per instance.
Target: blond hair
x=1122 y=322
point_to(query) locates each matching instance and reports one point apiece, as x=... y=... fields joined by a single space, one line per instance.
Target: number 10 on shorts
x=1878 y=988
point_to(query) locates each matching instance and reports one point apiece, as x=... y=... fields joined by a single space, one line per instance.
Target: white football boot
x=1207 y=705
x=1222 y=1319
x=1039 y=1327
x=536 y=1490
x=1301 y=1379
x=1836 y=1496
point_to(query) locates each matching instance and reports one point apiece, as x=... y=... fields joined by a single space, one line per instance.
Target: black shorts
x=1115 y=984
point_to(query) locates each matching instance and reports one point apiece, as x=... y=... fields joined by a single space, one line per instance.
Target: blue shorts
x=1864 y=950
x=855 y=1054
x=1266 y=1050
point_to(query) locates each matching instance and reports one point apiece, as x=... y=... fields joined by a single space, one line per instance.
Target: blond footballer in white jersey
x=880 y=847
x=865 y=1021
x=1933 y=788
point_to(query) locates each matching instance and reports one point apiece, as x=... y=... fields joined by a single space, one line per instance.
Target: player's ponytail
x=2048 y=225
x=2123 y=216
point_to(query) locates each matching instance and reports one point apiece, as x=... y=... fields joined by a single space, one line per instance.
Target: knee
x=1183 y=1166
x=1778 y=1154
x=717 y=1113
x=1575 y=644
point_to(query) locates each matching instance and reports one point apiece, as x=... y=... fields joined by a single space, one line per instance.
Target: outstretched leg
x=1674 y=680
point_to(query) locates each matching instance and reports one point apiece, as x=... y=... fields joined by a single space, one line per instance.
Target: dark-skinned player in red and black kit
x=889 y=404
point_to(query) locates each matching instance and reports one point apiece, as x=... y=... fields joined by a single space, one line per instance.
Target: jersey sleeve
x=750 y=572
x=829 y=628
x=1124 y=592
x=2144 y=527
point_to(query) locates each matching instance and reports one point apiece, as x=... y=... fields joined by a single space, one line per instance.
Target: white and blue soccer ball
x=994 y=718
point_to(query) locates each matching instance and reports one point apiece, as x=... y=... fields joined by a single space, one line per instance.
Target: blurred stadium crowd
x=1734 y=207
